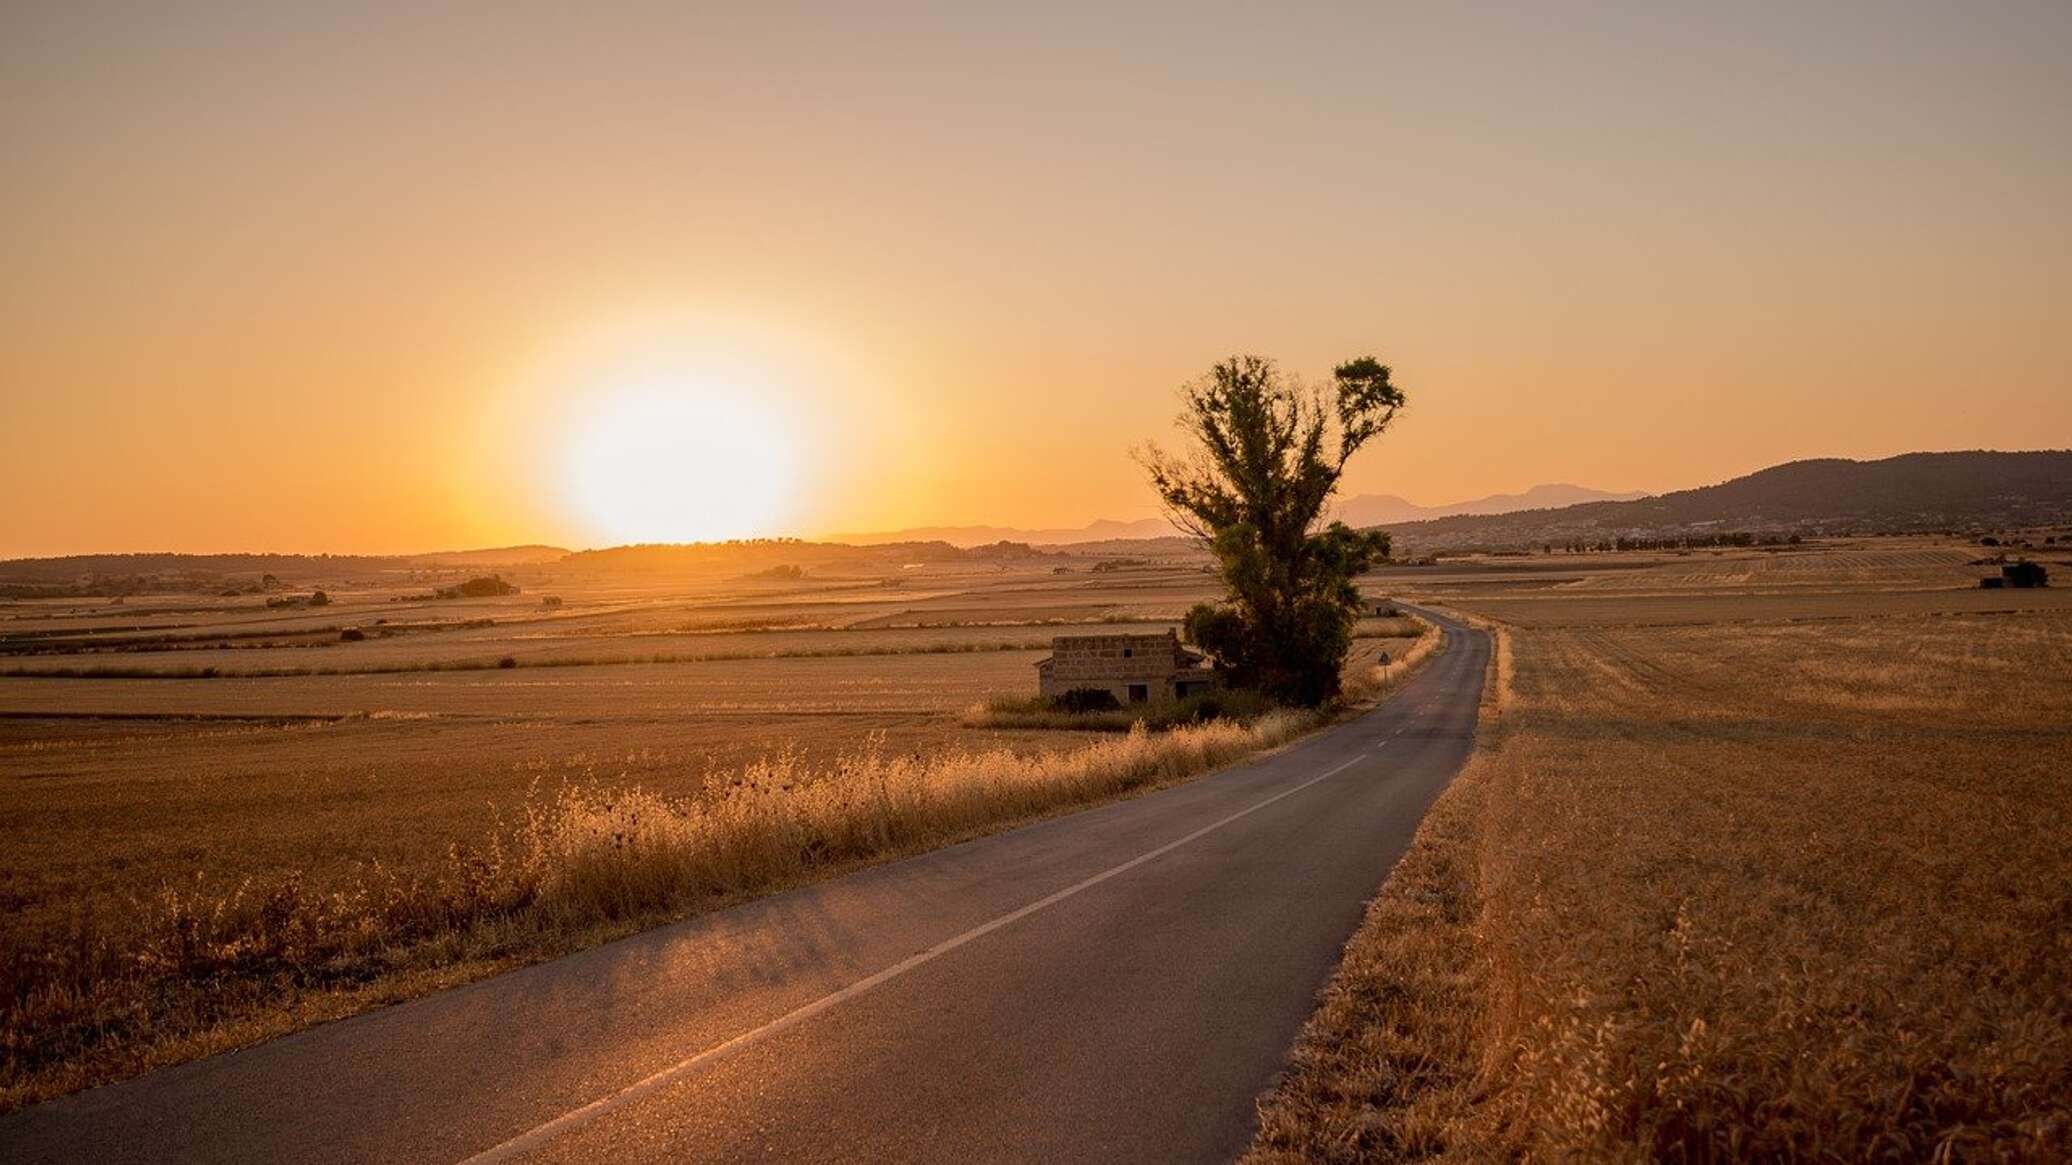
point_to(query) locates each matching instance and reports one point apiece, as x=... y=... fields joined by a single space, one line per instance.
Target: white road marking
x=538 y=1137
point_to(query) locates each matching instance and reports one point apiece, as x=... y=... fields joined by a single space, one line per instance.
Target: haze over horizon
x=310 y=280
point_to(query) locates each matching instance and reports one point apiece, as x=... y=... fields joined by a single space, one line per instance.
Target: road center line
x=567 y=1122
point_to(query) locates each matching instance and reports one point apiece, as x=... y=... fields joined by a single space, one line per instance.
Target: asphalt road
x=1117 y=985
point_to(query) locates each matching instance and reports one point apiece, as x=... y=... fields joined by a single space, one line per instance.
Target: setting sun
x=675 y=463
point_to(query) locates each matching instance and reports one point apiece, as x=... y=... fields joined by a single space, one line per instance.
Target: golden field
x=244 y=774
x=335 y=824
x=1737 y=871
x=1806 y=752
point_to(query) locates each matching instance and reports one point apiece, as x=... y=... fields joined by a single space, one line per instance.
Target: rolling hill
x=1913 y=491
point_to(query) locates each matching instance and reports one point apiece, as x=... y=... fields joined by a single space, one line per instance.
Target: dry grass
x=1367 y=683
x=112 y=788
x=1405 y=626
x=1725 y=892
x=188 y=972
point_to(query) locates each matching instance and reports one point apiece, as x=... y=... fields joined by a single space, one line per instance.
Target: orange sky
x=284 y=278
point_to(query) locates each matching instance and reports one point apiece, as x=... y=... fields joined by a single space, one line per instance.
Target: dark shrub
x=480 y=588
x=507 y=661
x=1087 y=700
x=2025 y=574
x=1241 y=704
x=351 y=635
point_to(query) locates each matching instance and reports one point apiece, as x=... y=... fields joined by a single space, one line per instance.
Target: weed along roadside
x=189 y=973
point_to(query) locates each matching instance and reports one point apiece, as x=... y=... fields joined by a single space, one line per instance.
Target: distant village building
x=1135 y=668
x=2018 y=574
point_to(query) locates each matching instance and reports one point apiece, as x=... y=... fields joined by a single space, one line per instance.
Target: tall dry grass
x=198 y=970
x=1403 y=626
x=1366 y=685
x=1768 y=891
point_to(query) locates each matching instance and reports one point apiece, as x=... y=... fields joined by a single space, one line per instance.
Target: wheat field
x=1751 y=888
x=328 y=839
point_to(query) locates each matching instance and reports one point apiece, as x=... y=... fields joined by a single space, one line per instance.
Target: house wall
x=1113 y=663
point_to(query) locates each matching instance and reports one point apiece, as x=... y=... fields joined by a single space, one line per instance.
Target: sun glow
x=680 y=463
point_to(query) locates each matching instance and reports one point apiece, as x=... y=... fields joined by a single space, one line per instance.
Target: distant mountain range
x=1911 y=492
x=1387 y=509
x=1359 y=510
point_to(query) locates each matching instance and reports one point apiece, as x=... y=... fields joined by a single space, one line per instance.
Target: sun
x=680 y=463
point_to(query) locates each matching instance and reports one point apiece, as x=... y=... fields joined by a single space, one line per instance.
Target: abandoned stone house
x=1135 y=668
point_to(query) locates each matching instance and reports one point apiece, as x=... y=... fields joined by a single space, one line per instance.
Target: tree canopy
x=1265 y=454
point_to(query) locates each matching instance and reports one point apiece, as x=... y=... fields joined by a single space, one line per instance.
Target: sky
x=371 y=278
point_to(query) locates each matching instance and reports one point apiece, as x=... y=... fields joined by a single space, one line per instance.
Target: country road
x=1119 y=984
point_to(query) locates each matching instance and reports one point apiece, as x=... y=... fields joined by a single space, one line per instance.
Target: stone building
x=1135 y=668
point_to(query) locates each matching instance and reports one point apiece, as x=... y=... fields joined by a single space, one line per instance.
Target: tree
x=1267 y=455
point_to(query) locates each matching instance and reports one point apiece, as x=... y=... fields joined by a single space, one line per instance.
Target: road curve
x=1116 y=985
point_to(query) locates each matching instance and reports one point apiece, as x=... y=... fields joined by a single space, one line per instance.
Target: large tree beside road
x=1264 y=455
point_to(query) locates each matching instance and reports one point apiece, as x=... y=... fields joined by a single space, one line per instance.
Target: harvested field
x=192 y=971
x=1698 y=608
x=1746 y=887
x=327 y=838
x=663 y=684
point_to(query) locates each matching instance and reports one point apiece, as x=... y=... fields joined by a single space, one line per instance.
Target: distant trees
x=1723 y=539
x=1267 y=452
x=486 y=587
